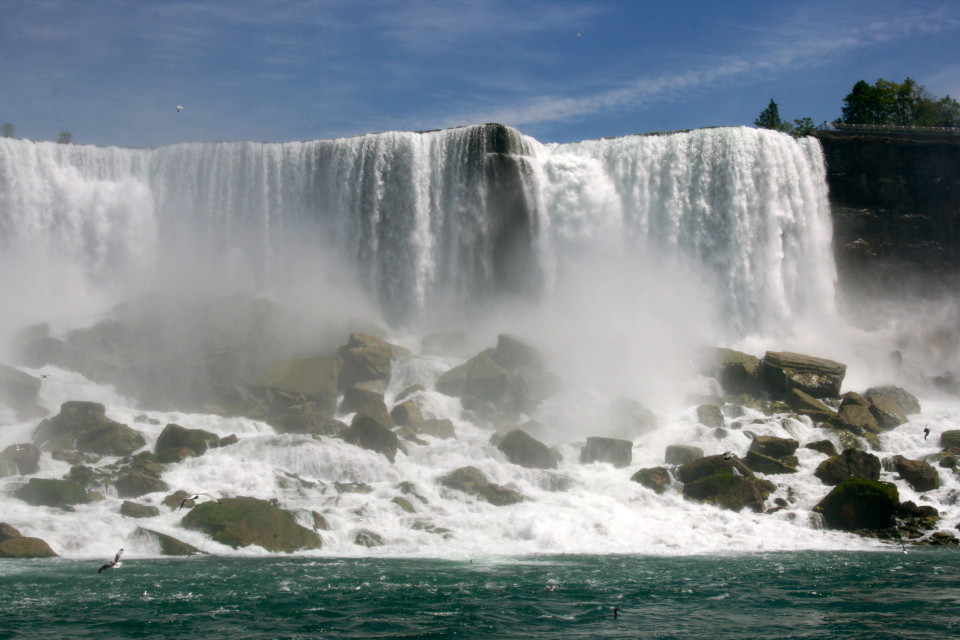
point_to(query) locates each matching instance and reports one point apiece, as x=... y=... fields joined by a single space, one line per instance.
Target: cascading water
x=641 y=247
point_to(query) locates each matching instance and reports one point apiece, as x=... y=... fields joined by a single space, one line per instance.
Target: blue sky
x=113 y=71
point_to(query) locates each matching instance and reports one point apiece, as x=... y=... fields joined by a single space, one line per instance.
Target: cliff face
x=896 y=210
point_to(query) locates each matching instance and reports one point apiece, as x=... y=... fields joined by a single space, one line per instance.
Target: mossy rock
x=135 y=483
x=765 y=464
x=49 y=492
x=25 y=547
x=169 y=546
x=730 y=491
x=656 y=478
x=132 y=509
x=244 y=521
x=367 y=538
x=404 y=504
x=852 y=463
x=472 y=481
x=111 y=439
x=825 y=447
x=367 y=433
x=950 y=439
x=860 y=503
x=175 y=436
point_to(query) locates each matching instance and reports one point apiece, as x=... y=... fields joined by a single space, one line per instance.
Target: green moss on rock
x=244 y=521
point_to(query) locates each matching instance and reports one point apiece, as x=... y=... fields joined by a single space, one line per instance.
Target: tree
x=7 y=130
x=803 y=126
x=65 y=138
x=897 y=103
x=769 y=118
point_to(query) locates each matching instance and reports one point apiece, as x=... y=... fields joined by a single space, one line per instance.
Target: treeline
x=900 y=104
x=7 y=131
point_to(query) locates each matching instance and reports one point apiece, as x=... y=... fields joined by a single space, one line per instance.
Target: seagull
x=179 y=108
x=727 y=455
x=926 y=432
x=44 y=375
x=196 y=497
x=116 y=564
x=616 y=611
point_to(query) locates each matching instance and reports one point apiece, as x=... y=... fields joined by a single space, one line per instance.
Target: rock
x=619 y=453
x=526 y=451
x=514 y=353
x=729 y=484
x=529 y=387
x=412 y=390
x=906 y=402
x=134 y=483
x=656 y=478
x=628 y=418
x=23 y=459
x=369 y=434
x=404 y=504
x=806 y=405
x=441 y=428
x=226 y=441
x=823 y=446
x=319 y=522
x=8 y=531
x=25 y=547
x=367 y=538
x=774 y=447
x=886 y=411
x=132 y=509
x=244 y=521
x=858 y=503
x=175 y=499
x=48 y=492
x=854 y=416
x=737 y=372
x=817 y=377
x=852 y=463
x=111 y=439
x=950 y=439
x=481 y=377
x=19 y=391
x=710 y=415
x=361 y=394
x=407 y=414
x=918 y=474
x=770 y=465
x=472 y=481
x=85 y=426
x=315 y=378
x=174 y=436
x=682 y=454
x=175 y=455
x=169 y=546
x=375 y=409
x=366 y=358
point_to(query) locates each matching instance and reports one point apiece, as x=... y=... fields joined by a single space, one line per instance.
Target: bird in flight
x=179 y=108
x=116 y=564
x=926 y=432
x=728 y=455
x=197 y=497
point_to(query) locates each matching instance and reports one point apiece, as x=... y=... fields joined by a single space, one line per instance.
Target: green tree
x=65 y=138
x=803 y=126
x=770 y=118
x=897 y=103
x=6 y=130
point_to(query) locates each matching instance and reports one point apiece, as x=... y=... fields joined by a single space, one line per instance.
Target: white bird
x=179 y=108
x=728 y=455
x=197 y=497
x=116 y=564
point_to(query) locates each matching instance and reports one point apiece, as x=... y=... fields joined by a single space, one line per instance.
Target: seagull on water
x=116 y=564
x=197 y=497
x=616 y=611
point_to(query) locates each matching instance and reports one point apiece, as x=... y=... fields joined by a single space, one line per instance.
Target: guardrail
x=889 y=128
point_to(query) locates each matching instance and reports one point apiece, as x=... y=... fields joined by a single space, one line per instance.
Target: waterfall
x=445 y=222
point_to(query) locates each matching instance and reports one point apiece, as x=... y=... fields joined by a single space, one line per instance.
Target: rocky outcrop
x=806 y=405
x=174 y=436
x=619 y=453
x=85 y=426
x=140 y=476
x=15 y=545
x=472 y=481
x=22 y=459
x=854 y=416
x=681 y=454
x=656 y=478
x=825 y=447
x=131 y=509
x=728 y=484
x=772 y=455
x=369 y=434
x=169 y=546
x=737 y=372
x=781 y=371
x=19 y=391
x=526 y=451
x=49 y=492
x=859 y=503
x=367 y=358
x=918 y=474
x=852 y=463
x=628 y=418
x=244 y=521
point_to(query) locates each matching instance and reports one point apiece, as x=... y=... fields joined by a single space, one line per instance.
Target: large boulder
x=407 y=413
x=25 y=547
x=774 y=447
x=369 y=434
x=23 y=459
x=950 y=439
x=860 y=504
x=131 y=509
x=84 y=425
x=781 y=371
x=244 y=521
x=852 y=463
x=906 y=402
x=175 y=436
x=481 y=377
x=111 y=439
x=728 y=484
x=737 y=372
x=526 y=451
x=656 y=478
x=169 y=546
x=619 y=453
x=360 y=394
x=440 y=428
x=919 y=474
x=19 y=391
x=681 y=454
x=854 y=415
x=50 y=492
x=472 y=481
x=806 y=405
x=628 y=418
x=367 y=358
x=769 y=465
x=710 y=415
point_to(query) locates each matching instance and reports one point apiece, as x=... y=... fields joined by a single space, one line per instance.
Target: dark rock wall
x=896 y=210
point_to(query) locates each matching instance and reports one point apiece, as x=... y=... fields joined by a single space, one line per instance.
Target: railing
x=953 y=130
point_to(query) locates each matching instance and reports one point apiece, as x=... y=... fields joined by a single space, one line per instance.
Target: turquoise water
x=785 y=595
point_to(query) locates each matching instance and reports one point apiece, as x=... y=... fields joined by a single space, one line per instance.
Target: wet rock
x=360 y=394
x=906 y=402
x=22 y=459
x=112 y=439
x=132 y=509
x=950 y=439
x=404 y=504
x=619 y=453
x=918 y=474
x=481 y=377
x=175 y=436
x=515 y=352
x=367 y=538
x=85 y=426
x=25 y=547
x=628 y=418
x=728 y=484
x=244 y=521
x=8 y=531
x=656 y=478
x=773 y=447
x=48 y=492
x=319 y=522
x=472 y=481
x=226 y=441
x=852 y=463
x=367 y=358
x=781 y=371
x=369 y=434
x=137 y=482
x=710 y=415
x=825 y=447
x=375 y=409
x=169 y=546
x=769 y=465
x=858 y=503
x=19 y=391
x=854 y=416
x=315 y=378
x=737 y=372
x=526 y=451
x=682 y=454
x=441 y=428
x=806 y=405
x=886 y=411
x=409 y=392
